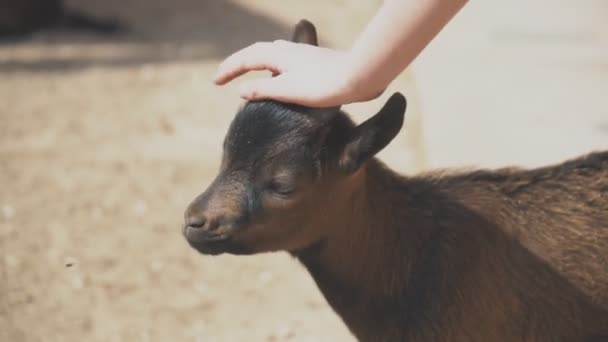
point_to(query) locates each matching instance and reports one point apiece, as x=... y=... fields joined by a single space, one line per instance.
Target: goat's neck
x=364 y=261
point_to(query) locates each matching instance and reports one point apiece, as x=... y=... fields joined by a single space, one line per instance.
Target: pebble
x=70 y=262
x=8 y=212
x=140 y=207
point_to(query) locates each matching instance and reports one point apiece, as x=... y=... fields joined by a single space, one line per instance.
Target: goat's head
x=284 y=170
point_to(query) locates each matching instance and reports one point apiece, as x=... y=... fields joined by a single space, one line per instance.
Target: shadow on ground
x=158 y=31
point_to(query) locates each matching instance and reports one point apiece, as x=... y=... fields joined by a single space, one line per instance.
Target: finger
x=275 y=88
x=283 y=89
x=259 y=56
x=229 y=77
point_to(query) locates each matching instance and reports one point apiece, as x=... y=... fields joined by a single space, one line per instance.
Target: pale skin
x=321 y=77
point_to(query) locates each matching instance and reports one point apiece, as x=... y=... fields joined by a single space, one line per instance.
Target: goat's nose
x=202 y=223
x=201 y=229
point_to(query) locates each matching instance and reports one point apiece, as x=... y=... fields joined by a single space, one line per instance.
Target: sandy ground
x=103 y=143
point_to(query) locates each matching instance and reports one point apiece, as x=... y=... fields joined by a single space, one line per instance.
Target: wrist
x=360 y=85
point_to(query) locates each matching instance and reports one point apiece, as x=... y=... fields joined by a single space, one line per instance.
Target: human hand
x=317 y=77
x=304 y=74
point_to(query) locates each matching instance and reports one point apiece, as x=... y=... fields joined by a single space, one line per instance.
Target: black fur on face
x=268 y=129
x=279 y=165
x=274 y=154
x=278 y=169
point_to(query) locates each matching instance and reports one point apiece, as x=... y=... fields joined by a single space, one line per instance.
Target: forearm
x=399 y=31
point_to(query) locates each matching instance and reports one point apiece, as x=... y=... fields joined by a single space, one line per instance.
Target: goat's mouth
x=213 y=243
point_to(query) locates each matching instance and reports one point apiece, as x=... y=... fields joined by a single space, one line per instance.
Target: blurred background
x=110 y=125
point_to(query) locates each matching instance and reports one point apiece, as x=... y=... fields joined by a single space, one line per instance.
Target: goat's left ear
x=306 y=33
x=373 y=135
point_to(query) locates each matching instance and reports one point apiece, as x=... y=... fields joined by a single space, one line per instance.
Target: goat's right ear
x=306 y=33
x=373 y=135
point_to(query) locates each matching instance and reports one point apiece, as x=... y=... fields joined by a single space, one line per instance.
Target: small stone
x=140 y=207
x=8 y=212
x=70 y=262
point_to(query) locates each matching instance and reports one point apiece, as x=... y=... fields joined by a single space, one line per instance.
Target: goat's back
x=559 y=213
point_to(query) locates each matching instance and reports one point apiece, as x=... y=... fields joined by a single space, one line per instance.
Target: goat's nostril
x=195 y=222
x=203 y=223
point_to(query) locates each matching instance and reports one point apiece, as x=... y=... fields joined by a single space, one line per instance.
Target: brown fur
x=500 y=256
x=509 y=255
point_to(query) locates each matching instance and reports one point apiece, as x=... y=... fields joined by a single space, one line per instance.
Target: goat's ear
x=373 y=135
x=305 y=32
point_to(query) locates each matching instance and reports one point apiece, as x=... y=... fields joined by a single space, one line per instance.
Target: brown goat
x=505 y=255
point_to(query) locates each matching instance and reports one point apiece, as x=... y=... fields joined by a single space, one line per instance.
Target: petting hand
x=304 y=74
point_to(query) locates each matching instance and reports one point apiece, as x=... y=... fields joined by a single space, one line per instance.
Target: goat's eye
x=280 y=187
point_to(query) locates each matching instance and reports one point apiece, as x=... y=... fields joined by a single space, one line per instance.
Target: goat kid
x=504 y=255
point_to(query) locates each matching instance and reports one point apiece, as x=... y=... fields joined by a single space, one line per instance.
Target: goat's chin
x=221 y=247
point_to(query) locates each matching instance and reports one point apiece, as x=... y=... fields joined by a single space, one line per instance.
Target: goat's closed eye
x=281 y=187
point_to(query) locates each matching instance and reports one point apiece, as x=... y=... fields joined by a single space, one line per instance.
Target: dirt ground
x=103 y=143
